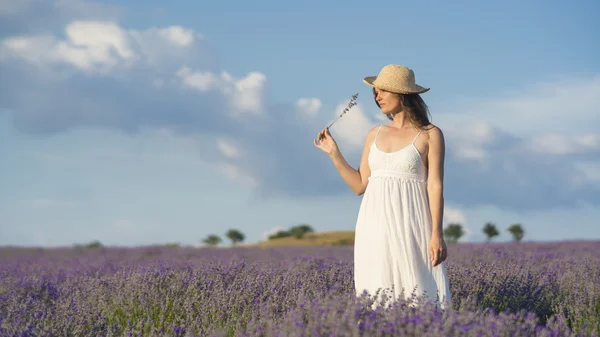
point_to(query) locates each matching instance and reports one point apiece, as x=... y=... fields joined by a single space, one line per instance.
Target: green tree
x=517 y=231
x=453 y=232
x=235 y=236
x=94 y=244
x=490 y=230
x=300 y=230
x=212 y=240
x=280 y=234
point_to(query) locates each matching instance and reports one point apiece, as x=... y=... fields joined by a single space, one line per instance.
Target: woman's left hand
x=437 y=250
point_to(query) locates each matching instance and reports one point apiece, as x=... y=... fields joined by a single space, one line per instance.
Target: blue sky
x=143 y=122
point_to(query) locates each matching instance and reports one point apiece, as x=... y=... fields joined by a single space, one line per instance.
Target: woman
x=399 y=246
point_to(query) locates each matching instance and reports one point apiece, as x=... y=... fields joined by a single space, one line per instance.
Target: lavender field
x=499 y=289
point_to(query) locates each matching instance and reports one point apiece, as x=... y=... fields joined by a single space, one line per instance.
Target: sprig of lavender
x=350 y=105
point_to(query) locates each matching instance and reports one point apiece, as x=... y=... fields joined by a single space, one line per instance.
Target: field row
x=500 y=289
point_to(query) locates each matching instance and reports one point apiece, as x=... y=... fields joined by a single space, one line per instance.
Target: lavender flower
x=348 y=107
x=499 y=289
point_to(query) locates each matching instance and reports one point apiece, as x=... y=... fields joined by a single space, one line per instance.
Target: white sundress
x=393 y=229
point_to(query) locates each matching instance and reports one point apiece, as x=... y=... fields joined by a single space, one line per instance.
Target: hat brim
x=369 y=80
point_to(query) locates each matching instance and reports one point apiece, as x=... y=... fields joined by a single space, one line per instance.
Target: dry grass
x=333 y=238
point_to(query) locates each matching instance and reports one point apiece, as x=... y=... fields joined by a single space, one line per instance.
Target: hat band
x=404 y=90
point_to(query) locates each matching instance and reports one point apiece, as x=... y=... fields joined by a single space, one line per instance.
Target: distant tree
x=94 y=244
x=280 y=234
x=300 y=230
x=517 y=231
x=212 y=240
x=453 y=232
x=235 y=236
x=490 y=230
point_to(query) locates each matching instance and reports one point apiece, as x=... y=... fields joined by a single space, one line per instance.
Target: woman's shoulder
x=373 y=130
x=435 y=135
x=433 y=130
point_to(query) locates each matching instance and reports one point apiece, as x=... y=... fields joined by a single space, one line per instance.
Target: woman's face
x=389 y=102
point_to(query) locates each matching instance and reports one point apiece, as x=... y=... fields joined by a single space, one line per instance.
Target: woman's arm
x=435 y=181
x=357 y=180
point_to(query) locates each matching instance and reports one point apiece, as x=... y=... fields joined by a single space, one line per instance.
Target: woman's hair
x=416 y=110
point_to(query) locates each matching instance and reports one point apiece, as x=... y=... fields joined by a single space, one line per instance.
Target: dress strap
x=375 y=139
x=379 y=128
x=416 y=136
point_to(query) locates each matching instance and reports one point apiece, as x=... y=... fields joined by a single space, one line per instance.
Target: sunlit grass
x=333 y=238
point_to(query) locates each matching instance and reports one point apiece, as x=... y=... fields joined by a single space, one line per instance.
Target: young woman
x=399 y=246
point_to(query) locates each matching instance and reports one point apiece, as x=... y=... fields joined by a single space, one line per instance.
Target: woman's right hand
x=325 y=142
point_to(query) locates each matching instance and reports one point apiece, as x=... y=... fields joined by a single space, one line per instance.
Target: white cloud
x=481 y=132
x=37 y=50
x=244 y=94
x=99 y=38
x=92 y=46
x=177 y=35
x=563 y=144
x=308 y=106
x=248 y=92
x=202 y=81
x=565 y=105
x=546 y=119
x=495 y=134
x=471 y=152
x=236 y=173
x=167 y=48
x=352 y=128
x=454 y=215
x=470 y=141
x=227 y=148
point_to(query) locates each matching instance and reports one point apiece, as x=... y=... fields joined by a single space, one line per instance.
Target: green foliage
x=453 y=232
x=212 y=240
x=490 y=230
x=296 y=231
x=93 y=244
x=300 y=230
x=235 y=236
x=314 y=293
x=588 y=319
x=517 y=231
x=280 y=234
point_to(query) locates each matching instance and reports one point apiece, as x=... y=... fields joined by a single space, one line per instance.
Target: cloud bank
x=96 y=73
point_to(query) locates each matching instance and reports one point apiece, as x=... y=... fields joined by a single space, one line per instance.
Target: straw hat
x=396 y=78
